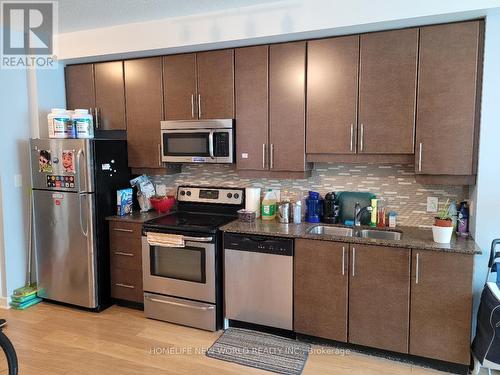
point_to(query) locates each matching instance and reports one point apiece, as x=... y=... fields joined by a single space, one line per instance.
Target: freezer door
x=62 y=164
x=66 y=247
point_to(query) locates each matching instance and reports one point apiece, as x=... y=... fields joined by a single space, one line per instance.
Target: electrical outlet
x=432 y=204
x=18 y=180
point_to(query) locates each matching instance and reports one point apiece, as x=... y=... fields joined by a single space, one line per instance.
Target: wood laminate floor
x=52 y=339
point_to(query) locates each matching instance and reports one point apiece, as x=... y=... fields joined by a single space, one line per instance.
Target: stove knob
x=236 y=195
x=188 y=193
x=229 y=195
x=183 y=192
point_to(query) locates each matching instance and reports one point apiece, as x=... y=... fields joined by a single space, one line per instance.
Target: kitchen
x=304 y=138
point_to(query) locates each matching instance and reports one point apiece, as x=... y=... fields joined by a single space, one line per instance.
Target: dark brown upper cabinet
x=252 y=99
x=98 y=87
x=179 y=82
x=320 y=288
x=199 y=85
x=387 y=92
x=80 y=91
x=449 y=83
x=441 y=306
x=379 y=297
x=332 y=95
x=144 y=98
x=287 y=132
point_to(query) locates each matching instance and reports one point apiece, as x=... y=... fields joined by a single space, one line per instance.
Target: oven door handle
x=211 y=144
x=204 y=308
x=198 y=239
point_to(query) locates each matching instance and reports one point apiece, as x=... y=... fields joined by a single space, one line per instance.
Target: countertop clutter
x=412 y=237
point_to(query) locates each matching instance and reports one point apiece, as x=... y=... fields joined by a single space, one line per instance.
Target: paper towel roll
x=252 y=200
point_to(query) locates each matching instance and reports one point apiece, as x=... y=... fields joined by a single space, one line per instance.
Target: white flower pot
x=442 y=234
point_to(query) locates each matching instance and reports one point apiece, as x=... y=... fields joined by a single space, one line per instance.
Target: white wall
x=274 y=21
x=487 y=192
x=14 y=134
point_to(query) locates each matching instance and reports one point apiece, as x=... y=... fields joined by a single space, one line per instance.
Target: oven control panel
x=234 y=196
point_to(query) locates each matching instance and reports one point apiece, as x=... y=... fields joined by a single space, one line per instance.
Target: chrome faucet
x=358 y=211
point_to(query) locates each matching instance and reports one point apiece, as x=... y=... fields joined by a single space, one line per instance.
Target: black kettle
x=330 y=209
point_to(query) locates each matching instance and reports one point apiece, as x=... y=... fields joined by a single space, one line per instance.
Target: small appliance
x=330 y=209
x=201 y=141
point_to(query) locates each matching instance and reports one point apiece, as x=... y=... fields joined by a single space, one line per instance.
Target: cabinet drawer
x=126 y=285
x=125 y=236
x=125 y=229
x=126 y=259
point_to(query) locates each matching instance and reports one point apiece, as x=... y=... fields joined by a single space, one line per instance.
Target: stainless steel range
x=182 y=274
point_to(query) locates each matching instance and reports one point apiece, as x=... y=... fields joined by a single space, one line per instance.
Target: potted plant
x=442 y=229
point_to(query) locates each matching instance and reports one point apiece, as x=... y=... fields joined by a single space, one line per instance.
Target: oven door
x=186 y=272
x=188 y=146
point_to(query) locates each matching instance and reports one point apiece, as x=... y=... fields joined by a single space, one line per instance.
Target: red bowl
x=163 y=204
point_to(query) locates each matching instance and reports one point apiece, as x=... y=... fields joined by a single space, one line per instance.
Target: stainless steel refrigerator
x=74 y=188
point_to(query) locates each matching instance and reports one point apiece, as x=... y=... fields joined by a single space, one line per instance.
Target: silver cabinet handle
x=417 y=269
x=124 y=254
x=96 y=118
x=352 y=135
x=343 y=260
x=420 y=157
x=361 y=138
x=123 y=230
x=192 y=105
x=199 y=105
x=353 y=261
x=125 y=286
x=159 y=155
x=272 y=157
x=204 y=308
x=263 y=156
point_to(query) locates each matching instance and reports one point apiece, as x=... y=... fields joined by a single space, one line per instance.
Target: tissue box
x=124 y=201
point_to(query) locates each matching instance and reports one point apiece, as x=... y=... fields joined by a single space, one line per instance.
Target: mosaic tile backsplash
x=395 y=183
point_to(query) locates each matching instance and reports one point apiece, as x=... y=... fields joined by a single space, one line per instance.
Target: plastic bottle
x=268 y=208
x=54 y=112
x=83 y=123
x=297 y=212
x=373 y=220
x=63 y=124
x=463 y=220
x=453 y=212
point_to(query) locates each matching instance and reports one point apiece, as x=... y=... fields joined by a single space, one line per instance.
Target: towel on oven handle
x=165 y=239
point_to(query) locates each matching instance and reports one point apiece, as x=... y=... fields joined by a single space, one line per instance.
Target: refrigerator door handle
x=85 y=231
x=78 y=169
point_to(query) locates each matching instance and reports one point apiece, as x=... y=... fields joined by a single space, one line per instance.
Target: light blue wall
x=14 y=134
x=486 y=195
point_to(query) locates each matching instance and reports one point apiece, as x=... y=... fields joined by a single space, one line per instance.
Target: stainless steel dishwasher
x=258 y=280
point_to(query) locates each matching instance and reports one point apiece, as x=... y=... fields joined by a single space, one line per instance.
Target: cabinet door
x=450 y=56
x=80 y=86
x=215 y=84
x=110 y=96
x=179 y=81
x=320 y=289
x=252 y=121
x=441 y=305
x=379 y=297
x=143 y=89
x=387 y=92
x=332 y=95
x=287 y=67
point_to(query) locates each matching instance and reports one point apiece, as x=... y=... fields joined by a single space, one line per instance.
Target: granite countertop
x=412 y=237
x=136 y=217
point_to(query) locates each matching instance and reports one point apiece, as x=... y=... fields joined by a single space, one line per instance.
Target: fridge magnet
x=44 y=161
x=68 y=161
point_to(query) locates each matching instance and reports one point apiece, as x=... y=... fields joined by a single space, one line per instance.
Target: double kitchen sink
x=354 y=232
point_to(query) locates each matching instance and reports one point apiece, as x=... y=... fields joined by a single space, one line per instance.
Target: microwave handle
x=211 y=144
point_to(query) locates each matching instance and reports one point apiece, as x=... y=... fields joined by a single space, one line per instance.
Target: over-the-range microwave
x=200 y=141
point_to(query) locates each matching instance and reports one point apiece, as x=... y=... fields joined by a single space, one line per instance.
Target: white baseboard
x=4 y=303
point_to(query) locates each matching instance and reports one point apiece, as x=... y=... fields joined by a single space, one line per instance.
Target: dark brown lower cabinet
x=441 y=306
x=126 y=261
x=320 y=289
x=379 y=297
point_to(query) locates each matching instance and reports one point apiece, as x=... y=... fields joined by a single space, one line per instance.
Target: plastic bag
x=145 y=190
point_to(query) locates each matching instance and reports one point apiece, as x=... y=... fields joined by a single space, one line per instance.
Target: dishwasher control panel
x=259 y=244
